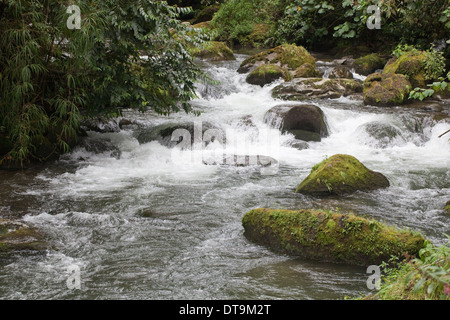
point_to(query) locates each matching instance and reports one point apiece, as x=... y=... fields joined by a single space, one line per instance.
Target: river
x=145 y=221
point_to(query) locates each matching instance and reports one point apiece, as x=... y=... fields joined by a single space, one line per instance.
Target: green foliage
x=424 y=277
x=237 y=19
x=441 y=85
x=52 y=75
x=411 y=21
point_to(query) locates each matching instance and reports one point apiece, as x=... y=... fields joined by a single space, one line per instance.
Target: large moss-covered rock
x=329 y=236
x=267 y=73
x=287 y=56
x=214 y=51
x=18 y=236
x=303 y=89
x=305 y=122
x=339 y=175
x=410 y=64
x=368 y=64
x=385 y=90
x=447 y=206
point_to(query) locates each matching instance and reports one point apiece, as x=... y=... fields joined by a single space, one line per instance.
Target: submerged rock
x=329 y=236
x=381 y=134
x=368 y=64
x=267 y=73
x=18 y=236
x=306 y=122
x=287 y=56
x=385 y=90
x=339 y=175
x=303 y=89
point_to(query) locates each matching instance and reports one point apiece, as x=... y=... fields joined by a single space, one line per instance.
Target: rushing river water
x=145 y=221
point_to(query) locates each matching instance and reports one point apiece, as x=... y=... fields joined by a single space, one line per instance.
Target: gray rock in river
x=18 y=236
x=316 y=88
x=380 y=135
x=306 y=122
x=182 y=135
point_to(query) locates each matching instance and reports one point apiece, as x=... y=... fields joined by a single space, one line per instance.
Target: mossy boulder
x=447 y=206
x=386 y=90
x=306 y=70
x=369 y=64
x=411 y=65
x=267 y=73
x=214 y=51
x=286 y=55
x=329 y=236
x=305 y=122
x=18 y=236
x=303 y=89
x=340 y=175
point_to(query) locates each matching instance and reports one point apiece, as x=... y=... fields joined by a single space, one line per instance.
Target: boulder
x=18 y=236
x=368 y=64
x=447 y=206
x=340 y=72
x=340 y=175
x=181 y=134
x=306 y=70
x=304 y=89
x=411 y=65
x=267 y=73
x=306 y=122
x=288 y=56
x=329 y=236
x=214 y=51
x=385 y=90
x=206 y=14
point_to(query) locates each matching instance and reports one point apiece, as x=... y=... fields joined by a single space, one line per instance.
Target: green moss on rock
x=411 y=65
x=17 y=236
x=386 y=90
x=339 y=175
x=306 y=70
x=213 y=50
x=286 y=55
x=267 y=73
x=447 y=206
x=329 y=236
x=368 y=64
